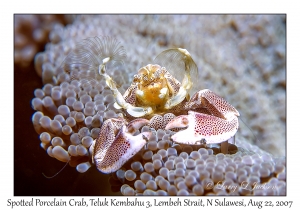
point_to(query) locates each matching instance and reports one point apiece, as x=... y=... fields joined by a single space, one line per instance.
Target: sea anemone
x=190 y=170
x=32 y=32
x=69 y=114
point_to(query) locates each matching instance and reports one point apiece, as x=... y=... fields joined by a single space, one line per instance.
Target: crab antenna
x=50 y=177
x=256 y=139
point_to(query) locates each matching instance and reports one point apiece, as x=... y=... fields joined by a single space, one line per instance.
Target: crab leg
x=116 y=144
x=224 y=147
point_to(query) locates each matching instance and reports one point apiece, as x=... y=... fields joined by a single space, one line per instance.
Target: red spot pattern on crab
x=208 y=125
x=118 y=148
x=216 y=104
x=110 y=155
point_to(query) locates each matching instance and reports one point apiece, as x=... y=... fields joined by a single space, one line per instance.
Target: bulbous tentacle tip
x=181 y=121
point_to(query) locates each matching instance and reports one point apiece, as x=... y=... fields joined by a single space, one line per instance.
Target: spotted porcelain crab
x=155 y=98
x=202 y=118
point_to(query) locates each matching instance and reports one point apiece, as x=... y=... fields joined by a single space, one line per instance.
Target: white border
x=153 y=6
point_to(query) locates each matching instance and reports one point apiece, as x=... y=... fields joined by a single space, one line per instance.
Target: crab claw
x=202 y=126
x=112 y=151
